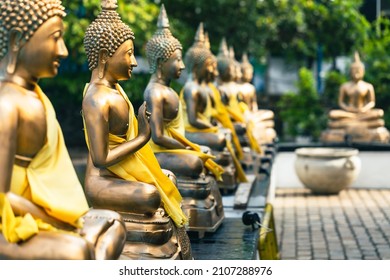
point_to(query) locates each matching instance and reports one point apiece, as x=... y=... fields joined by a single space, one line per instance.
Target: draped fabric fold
x=221 y=114
x=204 y=116
x=49 y=181
x=142 y=166
x=175 y=129
x=236 y=114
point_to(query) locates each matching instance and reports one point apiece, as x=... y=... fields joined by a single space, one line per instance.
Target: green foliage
x=377 y=60
x=295 y=27
x=333 y=81
x=140 y=15
x=233 y=19
x=302 y=112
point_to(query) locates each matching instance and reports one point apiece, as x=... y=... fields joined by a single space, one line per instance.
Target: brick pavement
x=355 y=224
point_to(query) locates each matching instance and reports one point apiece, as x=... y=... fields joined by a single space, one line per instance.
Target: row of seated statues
x=150 y=177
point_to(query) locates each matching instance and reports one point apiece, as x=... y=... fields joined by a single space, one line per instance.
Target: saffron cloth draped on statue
x=142 y=166
x=49 y=181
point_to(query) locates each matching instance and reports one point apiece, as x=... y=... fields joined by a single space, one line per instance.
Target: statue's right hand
x=143 y=121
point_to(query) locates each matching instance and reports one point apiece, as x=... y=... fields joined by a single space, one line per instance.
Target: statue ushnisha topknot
x=26 y=16
x=198 y=53
x=107 y=31
x=356 y=60
x=224 y=60
x=162 y=44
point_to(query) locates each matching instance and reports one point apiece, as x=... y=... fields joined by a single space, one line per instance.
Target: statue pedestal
x=356 y=134
x=202 y=203
x=154 y=237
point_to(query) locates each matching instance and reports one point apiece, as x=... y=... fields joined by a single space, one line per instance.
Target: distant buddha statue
x=197 y=109
x=43 y=210
x=219 y=112
x=195 y=99
x=190 y=162
x=229 y=73
x=357 y=120
x=264 y=132
x=122 y=172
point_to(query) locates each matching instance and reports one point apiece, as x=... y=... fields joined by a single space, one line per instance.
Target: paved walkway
x=355 y=224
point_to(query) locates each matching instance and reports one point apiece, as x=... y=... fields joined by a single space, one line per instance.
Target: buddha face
x=173 y=67
x=122 y=62
x=357 y=72
x=40 y=56
x=211 y=69
x=247 y=74
x=238 y=73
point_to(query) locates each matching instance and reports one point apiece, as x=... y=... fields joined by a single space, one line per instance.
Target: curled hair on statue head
x=25 y=17
x=162 y=44
x=107 y=31
x=198 y=53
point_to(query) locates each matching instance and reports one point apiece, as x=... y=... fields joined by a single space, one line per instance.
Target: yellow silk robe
x=49 y=181
x=235 y=111
x=142 y=166
x=175 y=129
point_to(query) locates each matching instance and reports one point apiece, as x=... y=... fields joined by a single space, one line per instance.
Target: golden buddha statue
x=190 y=162
x=229 y=73
x=43 y=210
x=264 y=119
x=122 y=172
x=358 y=120
x=195 y=98
x=198 y=108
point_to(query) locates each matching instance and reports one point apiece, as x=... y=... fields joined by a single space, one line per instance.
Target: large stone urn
x=327 y=170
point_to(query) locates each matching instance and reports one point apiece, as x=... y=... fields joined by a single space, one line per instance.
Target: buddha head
x=199 y=59
x=212 y=66
x=31 y=43
x=226 y=67
x=246 y=69
x=237 y=74
x=357 y=68
x=164 y=52
x=109 y=44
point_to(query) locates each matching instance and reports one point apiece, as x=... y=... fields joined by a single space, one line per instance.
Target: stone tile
x=352 y=225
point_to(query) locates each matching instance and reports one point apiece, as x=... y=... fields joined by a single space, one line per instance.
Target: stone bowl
x=327 y=170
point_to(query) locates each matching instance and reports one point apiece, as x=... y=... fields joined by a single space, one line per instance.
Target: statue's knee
x=110 y=244
x=197 y=165
x=152 y=197
x=221 y=140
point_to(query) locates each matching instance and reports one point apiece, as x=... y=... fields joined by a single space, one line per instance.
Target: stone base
x=154 y=237
x=356 y=135
x=202 y=203
x=229 y=180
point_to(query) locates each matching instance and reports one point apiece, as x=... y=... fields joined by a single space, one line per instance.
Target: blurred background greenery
x=297 y=30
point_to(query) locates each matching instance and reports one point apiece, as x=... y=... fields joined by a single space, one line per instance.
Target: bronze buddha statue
x=229 y=72
x=197 y=105
x=195 y=98
x=122 y=172
x=357 y=120
x=264 y=119
x=191 y=163
x=43 y=210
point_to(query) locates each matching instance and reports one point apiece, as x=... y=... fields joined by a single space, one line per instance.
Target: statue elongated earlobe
x=14 y=44
x=103 y=57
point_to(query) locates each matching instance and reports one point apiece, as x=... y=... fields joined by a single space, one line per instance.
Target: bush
x=301 y=112
x=377 y=61
x=333 y=81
